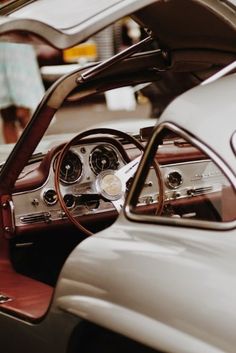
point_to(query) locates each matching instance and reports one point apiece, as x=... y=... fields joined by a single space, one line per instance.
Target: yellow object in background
x=86 y=51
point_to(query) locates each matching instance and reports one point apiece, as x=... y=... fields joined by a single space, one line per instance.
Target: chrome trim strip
x=5 y=298
x=42 y=217
x=180 y=222
x=11 y=206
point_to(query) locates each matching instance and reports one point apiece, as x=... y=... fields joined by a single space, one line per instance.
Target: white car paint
x=171 y=288
x=167 y=286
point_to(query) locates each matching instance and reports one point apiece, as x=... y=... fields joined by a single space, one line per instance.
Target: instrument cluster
x=100 y=158
x=79 y=169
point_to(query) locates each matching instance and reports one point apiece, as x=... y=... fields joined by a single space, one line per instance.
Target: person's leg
x=23 y=116
x=9 y=128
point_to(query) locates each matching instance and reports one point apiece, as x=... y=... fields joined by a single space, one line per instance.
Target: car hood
x=177 y=24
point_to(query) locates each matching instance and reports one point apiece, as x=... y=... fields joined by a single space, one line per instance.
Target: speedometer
x=71 y=168
x=102 y=158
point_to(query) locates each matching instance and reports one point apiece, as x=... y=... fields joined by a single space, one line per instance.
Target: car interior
x=52 y=201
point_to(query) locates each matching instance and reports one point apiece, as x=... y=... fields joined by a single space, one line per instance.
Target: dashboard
x=187 y=174
x=78 y=173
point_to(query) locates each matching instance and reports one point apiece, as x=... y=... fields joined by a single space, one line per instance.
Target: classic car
x=119 y=241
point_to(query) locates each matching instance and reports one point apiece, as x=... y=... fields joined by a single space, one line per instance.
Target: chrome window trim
x=142 y=172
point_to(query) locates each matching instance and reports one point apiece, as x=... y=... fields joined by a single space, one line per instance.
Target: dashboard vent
x=36 y=218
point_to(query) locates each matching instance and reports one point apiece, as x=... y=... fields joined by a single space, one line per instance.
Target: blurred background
x=118 y=105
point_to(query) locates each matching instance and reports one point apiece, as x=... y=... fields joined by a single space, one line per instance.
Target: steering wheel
x=110 y=185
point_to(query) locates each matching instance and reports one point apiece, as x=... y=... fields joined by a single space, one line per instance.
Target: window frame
x=142 y=172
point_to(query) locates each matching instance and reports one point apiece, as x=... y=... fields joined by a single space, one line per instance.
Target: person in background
x=21 y=87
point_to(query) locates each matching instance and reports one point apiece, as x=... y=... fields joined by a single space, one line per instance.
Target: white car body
x=170 y=287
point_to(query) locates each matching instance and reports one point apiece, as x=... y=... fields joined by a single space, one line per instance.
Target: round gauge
x=174 y=179
x=102 y=158
x=50 y=197
x=71 y=168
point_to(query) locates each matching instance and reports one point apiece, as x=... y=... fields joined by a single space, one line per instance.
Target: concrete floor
x=74 y=118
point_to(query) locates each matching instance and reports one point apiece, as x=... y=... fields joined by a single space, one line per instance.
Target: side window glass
x=190 y=185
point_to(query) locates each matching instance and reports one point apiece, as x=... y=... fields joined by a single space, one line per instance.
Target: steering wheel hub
x=109 y=185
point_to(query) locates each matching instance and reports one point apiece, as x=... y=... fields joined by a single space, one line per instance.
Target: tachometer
x=102 y=158
x=71 y=168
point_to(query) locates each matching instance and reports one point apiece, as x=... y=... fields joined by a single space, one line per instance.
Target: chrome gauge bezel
x=64 y=181
x=46 y=200
x=111 y=149
x=168 y=181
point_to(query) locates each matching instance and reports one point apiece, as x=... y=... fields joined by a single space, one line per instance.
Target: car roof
x=176 y=24
x=64 y=23
x=208 y=113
